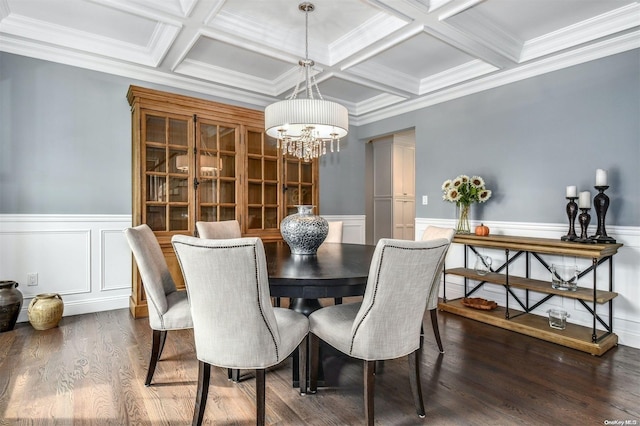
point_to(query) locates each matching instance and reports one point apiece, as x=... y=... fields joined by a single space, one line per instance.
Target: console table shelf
x=588 y=339
x=574 y=336
x=539 y=286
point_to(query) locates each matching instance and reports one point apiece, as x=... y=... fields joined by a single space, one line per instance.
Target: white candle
x=585 y=200
x=601 y=177
x=572 y=191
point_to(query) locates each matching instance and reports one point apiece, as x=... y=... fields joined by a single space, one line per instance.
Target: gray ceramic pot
x=10 y=304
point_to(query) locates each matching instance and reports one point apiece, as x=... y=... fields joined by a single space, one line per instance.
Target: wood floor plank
x=91 y=369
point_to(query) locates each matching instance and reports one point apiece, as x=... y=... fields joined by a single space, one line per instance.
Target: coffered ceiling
x=379 y=58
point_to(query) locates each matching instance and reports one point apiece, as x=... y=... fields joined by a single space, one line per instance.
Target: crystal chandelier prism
x=304 y=127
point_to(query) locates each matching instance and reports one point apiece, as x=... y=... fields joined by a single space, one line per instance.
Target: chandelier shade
x=329 y=120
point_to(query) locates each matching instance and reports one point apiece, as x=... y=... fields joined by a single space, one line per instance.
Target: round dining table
x=337 y=270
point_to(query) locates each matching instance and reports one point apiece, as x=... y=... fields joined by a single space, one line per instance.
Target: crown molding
x=595 y=51
x=377 y=102
x=376 y=108
x=393 y=78
x=133 y=71
x=616 y=21
x=150 y=55
x=452 y=76
x=376 y=28
x=493 y=36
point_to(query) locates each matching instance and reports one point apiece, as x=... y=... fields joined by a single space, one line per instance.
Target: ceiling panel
x=339 y=89
x=224 y=55
x=420 y=56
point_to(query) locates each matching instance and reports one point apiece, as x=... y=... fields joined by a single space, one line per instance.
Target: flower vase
x=303 y=231
x=463 y=219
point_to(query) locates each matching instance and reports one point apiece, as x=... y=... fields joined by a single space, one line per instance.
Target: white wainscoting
x=353 y=227
x=626 y=274
x=84 y=258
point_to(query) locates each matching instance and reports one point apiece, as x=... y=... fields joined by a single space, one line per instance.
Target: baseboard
x=80 y=307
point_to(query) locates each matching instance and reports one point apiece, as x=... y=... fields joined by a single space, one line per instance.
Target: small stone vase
x=304 y=231
x=10 y=304
x=45 y=311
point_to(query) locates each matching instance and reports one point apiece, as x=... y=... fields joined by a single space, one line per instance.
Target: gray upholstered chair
x=168 y=308
x=387 y=323
x=219 y=230
x=246 y=334
x=335 y=232
x=431 y=233
x=335 y=236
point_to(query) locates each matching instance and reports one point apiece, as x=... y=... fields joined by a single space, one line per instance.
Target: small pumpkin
x=482 y=230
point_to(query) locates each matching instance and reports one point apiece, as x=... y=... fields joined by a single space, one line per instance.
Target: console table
x=587 y=339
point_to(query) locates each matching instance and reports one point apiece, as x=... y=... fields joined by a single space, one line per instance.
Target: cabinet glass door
x=216 y=157
x=300 y=185
x=262 y=182
x=166 y=142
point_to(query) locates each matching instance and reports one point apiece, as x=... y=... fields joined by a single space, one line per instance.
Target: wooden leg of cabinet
x=137 y=310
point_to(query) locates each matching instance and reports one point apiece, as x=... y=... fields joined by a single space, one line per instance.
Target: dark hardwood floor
x=91 y=369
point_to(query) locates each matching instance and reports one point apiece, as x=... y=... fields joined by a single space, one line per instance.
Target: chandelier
x=303 y=127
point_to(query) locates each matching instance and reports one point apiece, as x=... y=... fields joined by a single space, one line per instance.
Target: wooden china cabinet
x=194 y=159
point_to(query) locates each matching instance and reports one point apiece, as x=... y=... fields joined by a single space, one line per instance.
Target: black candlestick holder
x=572 y=213
x=584 y=218
x=601 y=205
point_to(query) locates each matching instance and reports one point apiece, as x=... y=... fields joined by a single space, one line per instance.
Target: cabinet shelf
x=539 y=286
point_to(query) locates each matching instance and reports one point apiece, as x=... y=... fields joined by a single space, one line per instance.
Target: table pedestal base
x=305 y=306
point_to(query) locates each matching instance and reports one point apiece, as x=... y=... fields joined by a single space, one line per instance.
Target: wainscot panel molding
x=353 y=227
x=626 y=273
x=84 y=258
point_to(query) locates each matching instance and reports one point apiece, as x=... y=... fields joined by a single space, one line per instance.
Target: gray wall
x=65 y=143
x=65 y=138
x=531 y=139
x=342 y=178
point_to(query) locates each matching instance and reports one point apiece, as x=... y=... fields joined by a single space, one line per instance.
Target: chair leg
x=233 y=374
x=162 y=340
x=436 y=330
x=414 y=379
x=337 y=300
x=204 y=375
x=369 y=385
x=302 y=363
x=260 y=397
x=157 y=344
x=314 y=359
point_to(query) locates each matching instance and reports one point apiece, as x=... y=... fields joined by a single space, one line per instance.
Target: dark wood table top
x=338 y=270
